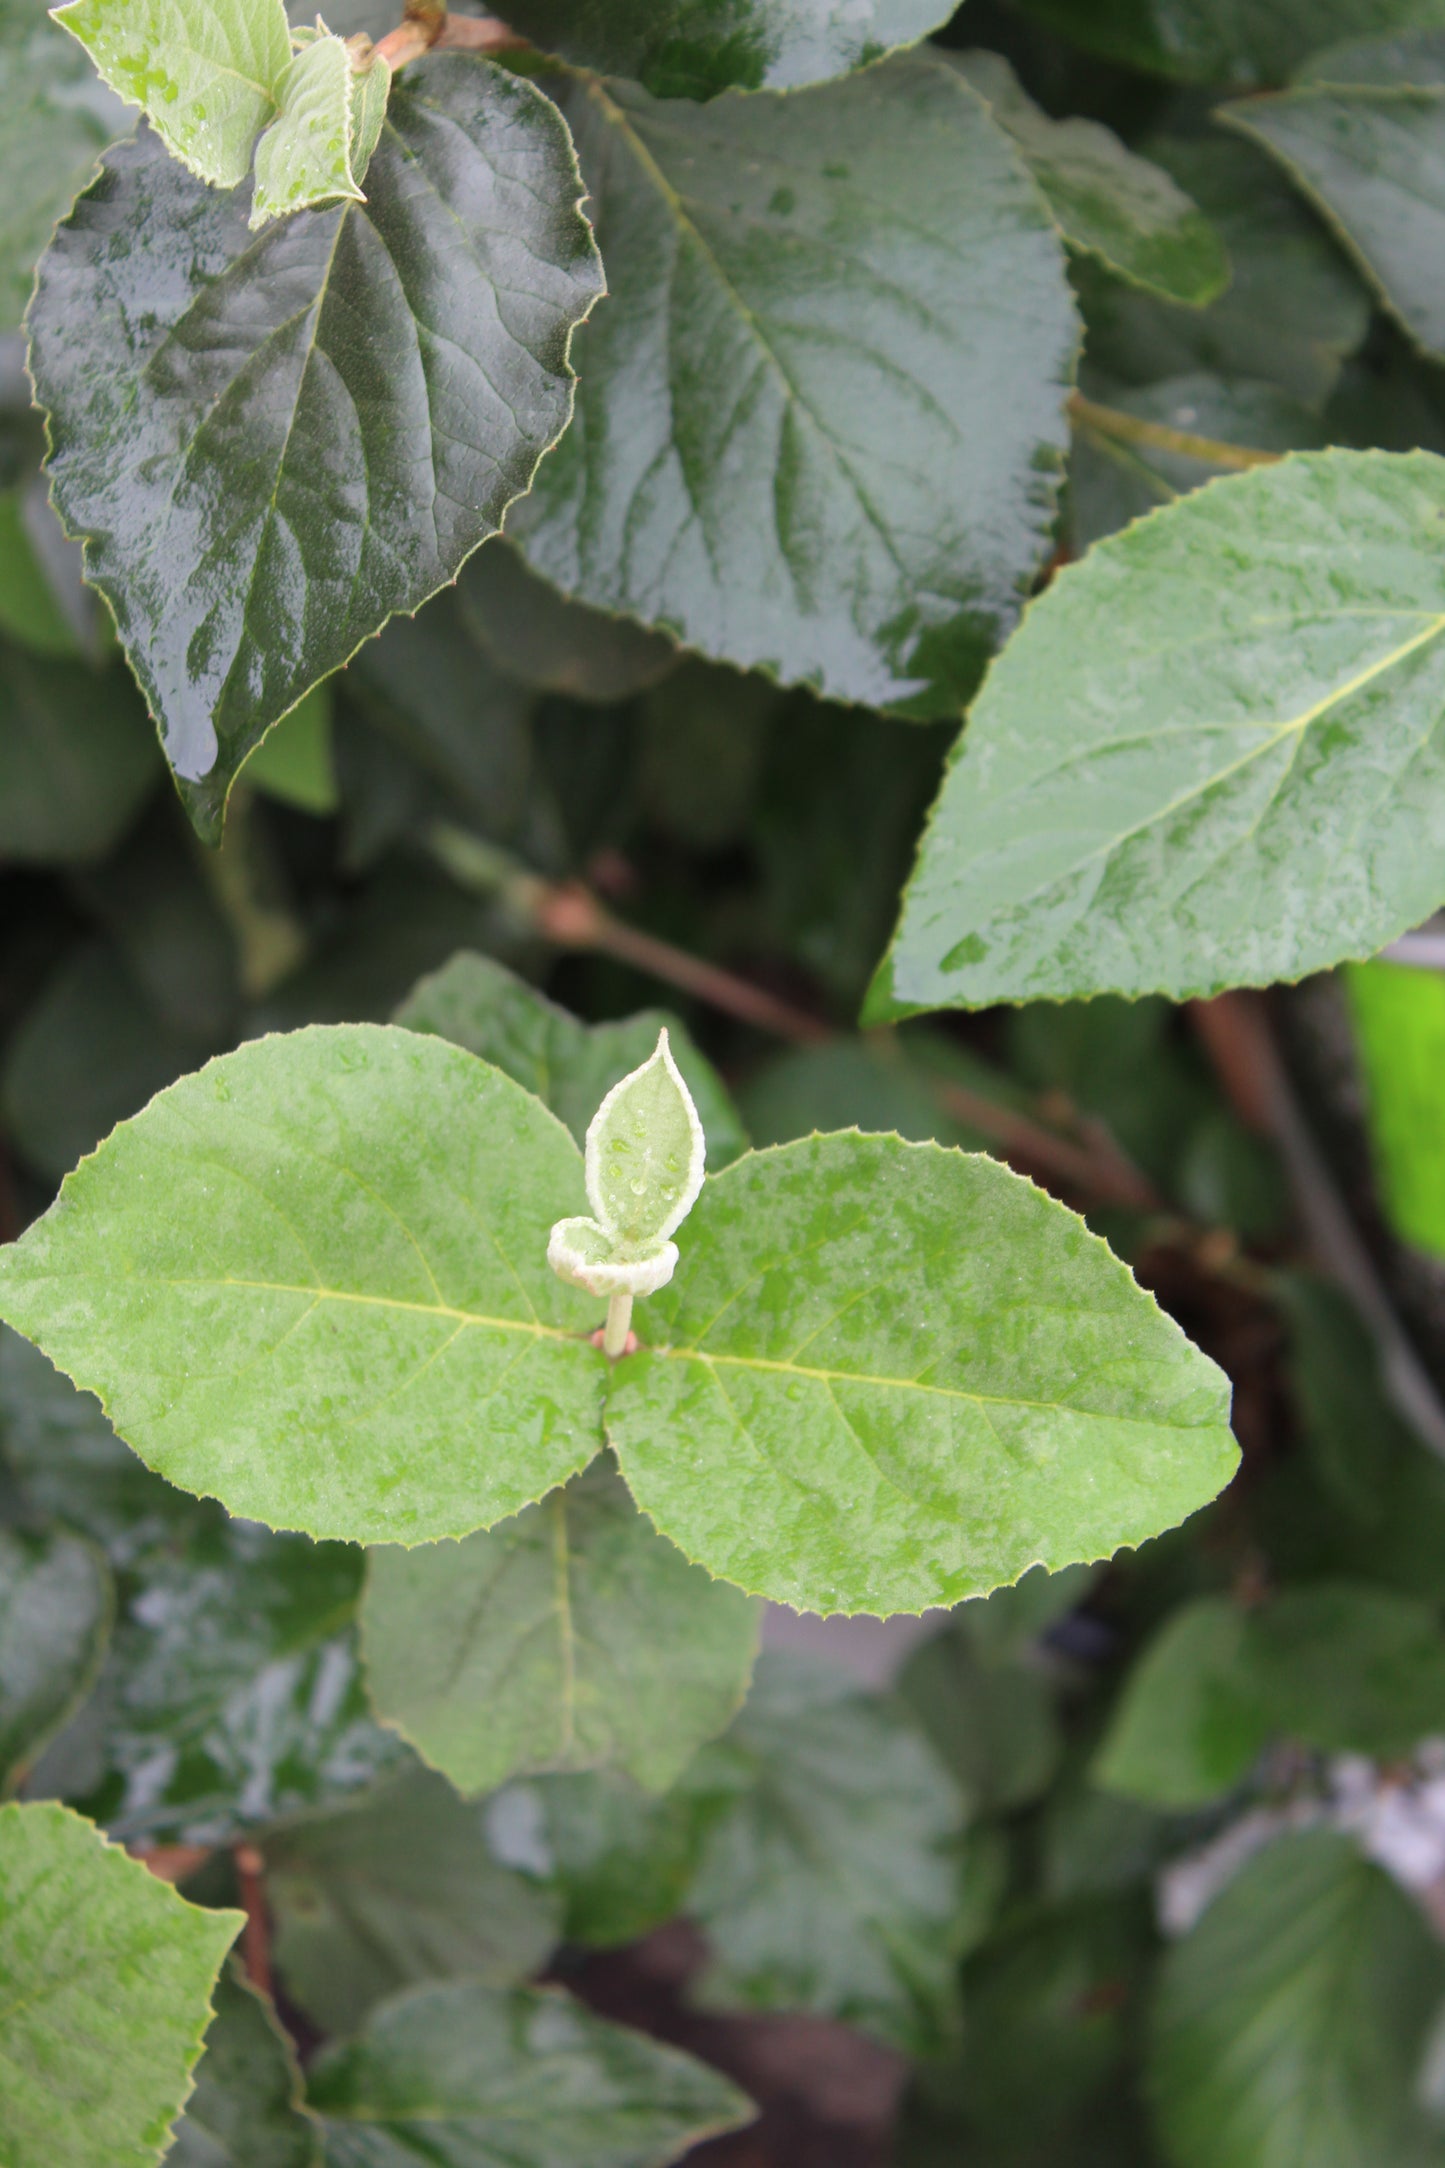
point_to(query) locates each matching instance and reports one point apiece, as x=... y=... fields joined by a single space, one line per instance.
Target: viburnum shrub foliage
x=849 y=512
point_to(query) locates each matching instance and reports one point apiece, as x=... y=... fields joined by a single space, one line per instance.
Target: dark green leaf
x=543 y=640
x=31 y=612
x=472 y=2076
x=1290 y=2024
x=252 y=525
x=825 y=1881
x=105 y=1978
x=55 y=1612
x=57 y=121
x=620 y=1860
x=393 y=1888
x=992 y=1724
x=77 y=756
x=1208 y=759
x=573 y=1637
x=897 y=1082
x=780 y=453
x=694 y=48
x=294 y=762
x=478 y=1004
x=246 y=2109
x=1242 y=42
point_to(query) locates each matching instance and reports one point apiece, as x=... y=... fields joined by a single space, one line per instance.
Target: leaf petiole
x=619 y=1324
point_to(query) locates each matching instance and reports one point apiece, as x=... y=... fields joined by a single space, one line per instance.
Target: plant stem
x=432 y=29
x=1134 y=429
x=256 y=1934
x=619 y=1325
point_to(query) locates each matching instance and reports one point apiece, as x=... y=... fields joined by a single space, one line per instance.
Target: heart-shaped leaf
x=788 y=451
x=1212 y=757
x=272 y=442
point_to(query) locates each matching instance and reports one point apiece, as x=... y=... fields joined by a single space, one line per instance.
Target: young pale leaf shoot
x=305 y=155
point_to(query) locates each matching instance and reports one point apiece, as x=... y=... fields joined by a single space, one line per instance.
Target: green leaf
x=294 y=761
x=898 y=1080
x=1368 y=156
x=392 y=1888
x=1289 y=2026
x=693 y=48
x=234 y=1691
x=471 y=2075
x=77 y=757
x=31 y=612
x=645 y=1162
x=570 y=1066
x=304 y=157
x=1207 y=760
x=58 y=118
x=991 y=1723
x=621 y=1861
x=1109 y=202
x=1340 y=1667
x=55 y=1613
x=246 y=2110
x=105 y=1978
x=571 y=1638
x=541 y=639
x=830 y=492
x=349 y=1269
x=1247 y=43
x=826 y=1882
x=252 y=524
x=889 y=1376
x=207 y=73
x=1399 y=1019
x=370 y=95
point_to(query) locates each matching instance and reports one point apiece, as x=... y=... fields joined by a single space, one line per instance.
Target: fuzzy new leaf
x=645 y=1153
x=207 y=72
x=304 y=157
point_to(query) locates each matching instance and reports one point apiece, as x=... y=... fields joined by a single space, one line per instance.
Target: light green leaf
x=246 y=2110
x=1399 y=1019
x=58 y=119
x=206 y=72
x=1245 y=43
x=829 y=491
x=1111 y=203
x=105 y=1978
x=570 y=1066
x=471 y=2075
x=55 y=1613
x=889 y=1376
x=1370 y=156
x=1190 y=1721
x=393 y=1888
x=273 y=442
x=294 y=762
x=645 y=1153
x=1210 y=758
x=826 y=1881
x=1289 y=2026
x=370 y=91
x=304 y=157
x=694 y=48
x=342 y=1318
x=77 y=756
x=571 y=1638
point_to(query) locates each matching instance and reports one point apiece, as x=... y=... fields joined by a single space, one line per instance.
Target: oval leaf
x=55 y=1613
x=1212 y=757
x=311 y=1280
x=889 y=1376
x=571 y=1638
x=788 y=449
x=645 y=1153
x=304 y=158
x=273 y=442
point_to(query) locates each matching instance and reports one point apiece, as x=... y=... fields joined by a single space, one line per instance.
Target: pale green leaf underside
x=573 y=1637
x=645 y=1155
x=888 y=1376
x=311 y=1280
x=304 y=157
x=469 y=2074
x=105 y=1980
x=206 y=72
x=1119 y=207
x=1211 y=757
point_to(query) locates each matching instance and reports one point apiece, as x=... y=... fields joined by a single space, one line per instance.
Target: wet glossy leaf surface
x=55 y=1612
x=1108 y=201
x=105 y=1979
x=694 y=48
x=573 y=1637
x=1290 y=2024
x=1210 y=759
x=394 y=1888
x=888 y=1376
x=351 y=1266
x=246 y=2109
x=252 y=525
x=774 y=455
x=478 y=1004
